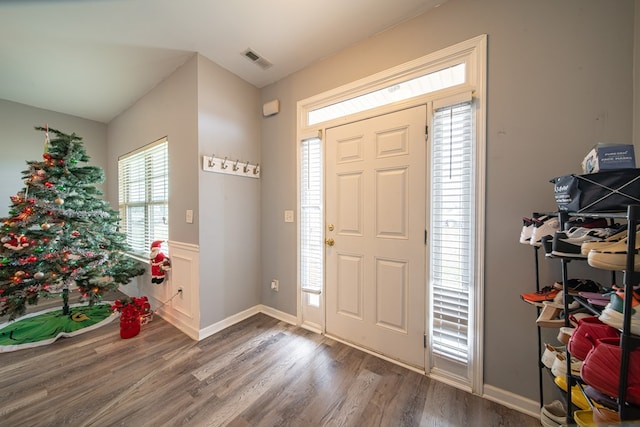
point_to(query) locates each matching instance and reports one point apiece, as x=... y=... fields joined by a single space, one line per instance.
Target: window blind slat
x=311 y=226
x=143 y=195
x=451 y=231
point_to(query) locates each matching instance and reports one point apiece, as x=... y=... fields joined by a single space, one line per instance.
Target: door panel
x=375 y=198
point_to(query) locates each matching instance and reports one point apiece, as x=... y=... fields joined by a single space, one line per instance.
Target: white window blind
x=311 y=244
x=452 y=232
x=144 y=196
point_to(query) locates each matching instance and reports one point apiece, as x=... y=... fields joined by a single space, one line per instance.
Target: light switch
x=189 y=216
x=288 y=216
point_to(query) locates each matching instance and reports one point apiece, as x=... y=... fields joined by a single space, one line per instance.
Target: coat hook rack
x=220 y=165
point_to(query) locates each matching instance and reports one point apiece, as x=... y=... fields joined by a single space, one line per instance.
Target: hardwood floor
x=259 y=372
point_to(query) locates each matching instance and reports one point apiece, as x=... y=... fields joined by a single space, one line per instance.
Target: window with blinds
x=311 y=244
x=452 y=232
x=143 y=190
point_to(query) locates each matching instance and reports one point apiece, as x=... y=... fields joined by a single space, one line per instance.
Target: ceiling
x=95 y=58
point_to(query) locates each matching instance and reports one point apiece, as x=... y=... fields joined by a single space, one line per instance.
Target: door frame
x=473 y=53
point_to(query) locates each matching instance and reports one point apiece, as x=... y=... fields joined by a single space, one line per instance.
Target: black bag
x=610 y=191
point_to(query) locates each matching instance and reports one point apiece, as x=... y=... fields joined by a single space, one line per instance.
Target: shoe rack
x=627 y=340
x=536 y=260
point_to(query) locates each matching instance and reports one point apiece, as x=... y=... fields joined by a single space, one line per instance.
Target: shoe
x=613 y=238
x=559 y=367
x=548 y=293
x=549 y=355
x=527 y=230
x=605 y=416
x=612 y=314
x=584 y=417
x=601 y=369
x=549 y=317
x=575 y=286
x=596 y=299
x=547 y=245
x=614 y=256
x=588 y=331
x=558 y=301
x=553 y=414
x=569 y=243
x=543 y=227
x=564 y=334
x=619 y=302
x=601 y=398
x=586 y=223
x=577 y=396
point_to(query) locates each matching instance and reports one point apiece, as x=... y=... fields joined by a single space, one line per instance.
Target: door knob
x=330 y=241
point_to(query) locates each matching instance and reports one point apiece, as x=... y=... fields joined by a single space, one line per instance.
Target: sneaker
x=549 y=355
x=575 y=286
x=586 y=223
x=577 y=396
x=543 y=227
x=559 y=367
x=564 y=334
x=616 y=236
x=527 y=230
x=548 y=293
x=614 y=256
x=569 y=243
x=612 y=314
x=547 y=244
x=553 y=414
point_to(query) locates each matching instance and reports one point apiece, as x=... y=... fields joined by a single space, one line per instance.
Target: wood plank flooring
x=259 y=372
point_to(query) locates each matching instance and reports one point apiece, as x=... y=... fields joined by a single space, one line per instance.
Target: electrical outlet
x=189 y=216
x=275 y=284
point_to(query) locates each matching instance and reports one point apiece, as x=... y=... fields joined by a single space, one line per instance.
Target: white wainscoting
x=179 y=303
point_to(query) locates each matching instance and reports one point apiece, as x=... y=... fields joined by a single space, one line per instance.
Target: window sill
x=138 y=257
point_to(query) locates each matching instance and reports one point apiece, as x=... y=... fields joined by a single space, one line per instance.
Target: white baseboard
x=178 y=323
x=513 y=401
x=277 y=314
x=239 y=317
x=229 y=321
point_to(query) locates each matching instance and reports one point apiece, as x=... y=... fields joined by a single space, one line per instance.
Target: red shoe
x=601 y=369
x=588 y=332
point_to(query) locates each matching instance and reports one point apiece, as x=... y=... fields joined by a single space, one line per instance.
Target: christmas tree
x=60 y=233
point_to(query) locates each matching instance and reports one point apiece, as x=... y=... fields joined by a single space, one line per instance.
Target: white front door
x=375 y=214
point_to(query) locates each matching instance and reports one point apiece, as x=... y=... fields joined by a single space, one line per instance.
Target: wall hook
x=239 y=167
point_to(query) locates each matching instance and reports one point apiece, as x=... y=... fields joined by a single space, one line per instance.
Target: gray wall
x=229 y=214
x=170 y=110
x=559 y=80
x=21 y=142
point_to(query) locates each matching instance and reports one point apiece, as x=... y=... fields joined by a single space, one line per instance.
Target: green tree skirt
x=45 y=327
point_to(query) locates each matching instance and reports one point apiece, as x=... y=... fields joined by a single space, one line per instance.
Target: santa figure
x=159 y=263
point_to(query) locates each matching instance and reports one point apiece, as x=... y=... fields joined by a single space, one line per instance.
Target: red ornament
x=48 y=184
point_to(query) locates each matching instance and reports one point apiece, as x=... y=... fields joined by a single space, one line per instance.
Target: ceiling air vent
x=256 y=59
